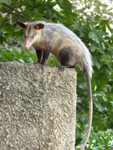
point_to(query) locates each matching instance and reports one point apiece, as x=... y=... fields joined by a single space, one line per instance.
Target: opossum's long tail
x=90 y=108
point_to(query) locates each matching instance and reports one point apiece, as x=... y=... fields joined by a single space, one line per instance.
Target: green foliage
x=17 y=55
x=101 y=140
x=95 y=29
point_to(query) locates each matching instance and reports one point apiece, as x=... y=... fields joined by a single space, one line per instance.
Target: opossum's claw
x=35 y=63
x=40 y=65
x=62 y=68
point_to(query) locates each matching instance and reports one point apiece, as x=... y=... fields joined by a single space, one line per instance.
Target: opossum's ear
x=39 y=26
x=21 y=24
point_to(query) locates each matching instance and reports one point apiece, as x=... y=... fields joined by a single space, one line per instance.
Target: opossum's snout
x=30 y=40
x=27 y=44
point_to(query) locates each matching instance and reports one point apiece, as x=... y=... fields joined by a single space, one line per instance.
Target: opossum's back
x=58 y=31
x=61 y=36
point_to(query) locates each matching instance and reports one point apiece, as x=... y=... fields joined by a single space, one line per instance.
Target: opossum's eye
x=39 y=26
x=32 y=37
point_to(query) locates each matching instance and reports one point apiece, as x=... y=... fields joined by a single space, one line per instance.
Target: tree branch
x=17 y=12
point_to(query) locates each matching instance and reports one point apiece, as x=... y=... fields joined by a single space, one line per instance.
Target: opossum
x=65 y=45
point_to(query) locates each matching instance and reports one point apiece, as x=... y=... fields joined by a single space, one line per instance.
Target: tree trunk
x=37 y=107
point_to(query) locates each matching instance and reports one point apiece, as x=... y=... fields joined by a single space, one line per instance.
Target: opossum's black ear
x=21 y=24
x=39 y=26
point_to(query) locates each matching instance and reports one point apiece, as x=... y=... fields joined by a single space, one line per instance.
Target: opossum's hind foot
x=62 y=68
x=40 y=65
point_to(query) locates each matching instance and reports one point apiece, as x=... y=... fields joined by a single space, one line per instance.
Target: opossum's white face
x=32 y=33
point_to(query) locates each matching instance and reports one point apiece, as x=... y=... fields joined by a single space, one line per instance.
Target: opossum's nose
x=25 y=47
x=27 y=44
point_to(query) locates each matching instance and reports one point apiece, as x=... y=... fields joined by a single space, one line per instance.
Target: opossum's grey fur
x=58 y=33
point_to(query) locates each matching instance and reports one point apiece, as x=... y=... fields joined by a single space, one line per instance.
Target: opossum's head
x=32 y=32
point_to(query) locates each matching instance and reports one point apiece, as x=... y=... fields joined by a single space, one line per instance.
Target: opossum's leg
x=44 y=55
x=65 y=56
x=44 y=58
x=39 y=54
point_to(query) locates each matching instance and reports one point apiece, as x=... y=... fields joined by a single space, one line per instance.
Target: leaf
x=103 y=45
x=104 y=22
x=96 y=39
x=48 y=12
x=96 y=61
x=92 y=48
x=92 y=19
x=110 y=29
x=21 y=60
x=7 y=55
x=17 y=54
x=22 y=53
x=61 y=1
x=100 y=107
x=92 y=35
x=96 y=148
x=91 y=26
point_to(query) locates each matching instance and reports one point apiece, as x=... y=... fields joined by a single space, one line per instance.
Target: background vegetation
x=92 y=21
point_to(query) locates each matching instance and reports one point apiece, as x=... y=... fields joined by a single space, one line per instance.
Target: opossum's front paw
x=62 y=68
x=40 y=65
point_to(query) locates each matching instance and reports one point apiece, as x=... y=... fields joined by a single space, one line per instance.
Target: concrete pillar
x=37 y=107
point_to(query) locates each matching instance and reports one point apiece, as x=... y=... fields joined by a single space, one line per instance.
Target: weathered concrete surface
x=37 y=108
